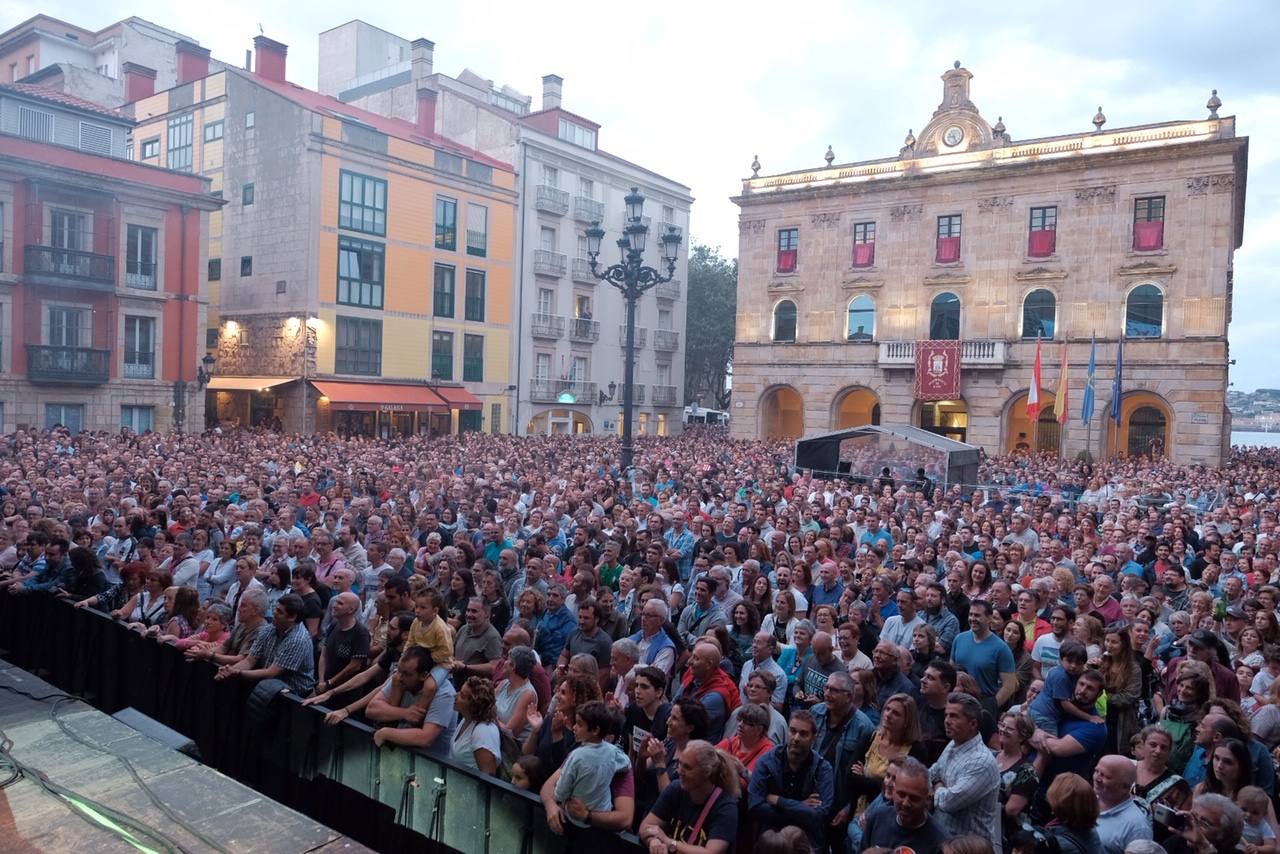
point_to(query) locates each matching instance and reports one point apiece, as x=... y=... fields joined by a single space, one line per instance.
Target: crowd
x=710 y=649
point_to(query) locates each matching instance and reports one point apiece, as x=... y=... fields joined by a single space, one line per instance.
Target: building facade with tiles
x=1104 y=236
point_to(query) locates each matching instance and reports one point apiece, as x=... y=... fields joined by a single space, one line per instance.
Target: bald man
x=346 y=644
x=1120 y=819
x=706 y=682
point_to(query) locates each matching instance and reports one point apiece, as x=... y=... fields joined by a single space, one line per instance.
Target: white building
x=570 y=328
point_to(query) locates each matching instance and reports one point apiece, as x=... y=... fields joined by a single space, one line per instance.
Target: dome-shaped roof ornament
x=1213 y=104
x=755 y=166
x=829 y=156
x=998 y=130
x=910 y=141
x=1099 y=119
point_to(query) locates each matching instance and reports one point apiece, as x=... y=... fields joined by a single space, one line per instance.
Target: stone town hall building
x=971 y=236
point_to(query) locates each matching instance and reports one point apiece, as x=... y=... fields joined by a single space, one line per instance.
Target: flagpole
x=1088 y=425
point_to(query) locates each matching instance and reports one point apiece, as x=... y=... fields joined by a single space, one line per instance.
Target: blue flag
x=1117 y=385
x=1086 y=403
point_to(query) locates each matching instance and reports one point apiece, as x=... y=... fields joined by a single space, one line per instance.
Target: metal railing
x=581 y=272
x=637 y=394
x=664 y=395
x=546 y=326
x=667 y=290
x=642 y=335
x=974 y=353
x=667 y=340
x=548 y=263
x=545 y=390
x=71 y=365
x=140 y=275
x=584 y=329
x=50 y=265
x=587 y=209
x=551 y=200
x=141 y=367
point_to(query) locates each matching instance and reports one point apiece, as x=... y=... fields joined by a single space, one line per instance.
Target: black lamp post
x=632 y=279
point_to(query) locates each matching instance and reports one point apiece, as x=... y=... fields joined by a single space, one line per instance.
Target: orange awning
x=458 y=397
x=385 y=397
x=247 y=383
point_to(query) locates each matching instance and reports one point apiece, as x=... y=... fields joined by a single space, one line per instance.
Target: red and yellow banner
x=937 y=370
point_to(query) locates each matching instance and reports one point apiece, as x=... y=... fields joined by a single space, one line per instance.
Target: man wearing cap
x=1234 y=620
x=1204 y=645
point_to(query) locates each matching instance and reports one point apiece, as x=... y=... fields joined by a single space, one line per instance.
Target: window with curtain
x=788 y=247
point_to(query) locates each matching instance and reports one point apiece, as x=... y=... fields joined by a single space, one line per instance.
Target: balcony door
x=68 y=230
x=68 y=327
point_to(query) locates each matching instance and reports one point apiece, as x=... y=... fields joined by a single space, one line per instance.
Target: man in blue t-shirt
x=986 y=657
x=1080 y=742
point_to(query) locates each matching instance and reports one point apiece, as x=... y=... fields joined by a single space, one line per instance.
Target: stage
x=211 y=812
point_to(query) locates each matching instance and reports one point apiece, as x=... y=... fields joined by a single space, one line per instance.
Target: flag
x=1117 y=385
x=1086 y=403
x=1060 y=399
x=1033 y=396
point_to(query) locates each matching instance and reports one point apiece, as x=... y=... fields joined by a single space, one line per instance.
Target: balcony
x=974 y=353
x=46 y=265
x=548 y=263
x=551 y=200
x=140 y=275
x=547 y=326
x=69 y=365
x=581 y=272
x=666 y=340
x=667 y=290
x=641 y=335
x=545 y=390
x=140 y=366
x=587 y=210
x=664 y=395
x=637 y=394
x=584 y=330
x=664 y=226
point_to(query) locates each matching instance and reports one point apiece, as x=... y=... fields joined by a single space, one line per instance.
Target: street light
x=204 y=373
x=632 y=279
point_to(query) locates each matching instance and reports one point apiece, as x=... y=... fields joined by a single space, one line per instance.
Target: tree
x=712 y=306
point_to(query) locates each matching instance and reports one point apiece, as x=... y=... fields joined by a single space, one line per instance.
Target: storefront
x=247 y=401
x=379 y=409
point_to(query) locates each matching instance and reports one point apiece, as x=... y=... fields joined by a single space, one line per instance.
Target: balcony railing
x=140 y=275
x=548 y=263
x=70 y=365
x=642 y=335
x=581 y=272
x=587 y=210
x=140 y=367
x=584 y=329
x=667 y=290
x=664 y=395
x=667 y=340
x=637 y=394
x=546 y=326
x=477 y=243
x=544 y=390
x=47 y=265
x=551 y=200
x=974 y=353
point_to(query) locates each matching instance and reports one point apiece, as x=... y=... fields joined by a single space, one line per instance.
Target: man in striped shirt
x=966 y=779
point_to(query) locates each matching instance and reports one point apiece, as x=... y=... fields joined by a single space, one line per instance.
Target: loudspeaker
x=156 y=731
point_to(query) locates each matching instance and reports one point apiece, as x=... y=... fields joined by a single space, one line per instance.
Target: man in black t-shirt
x=346 y=646
x=909 y=824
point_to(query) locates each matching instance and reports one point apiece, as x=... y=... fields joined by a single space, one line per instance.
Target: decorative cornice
x=857 y=281
x=947 y=279
x=900 y=212
x=1202 y=184
x=1147 y=268
x=788 y=286
x=1104 y=194
x=826 y=219
x=750 y=226
x=1039 y=274
x=994 y=203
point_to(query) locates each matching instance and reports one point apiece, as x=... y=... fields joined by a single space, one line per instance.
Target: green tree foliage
x=712 y=305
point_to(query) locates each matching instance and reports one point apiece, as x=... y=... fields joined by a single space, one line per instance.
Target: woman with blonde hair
x=897 y=735
x=704 y=798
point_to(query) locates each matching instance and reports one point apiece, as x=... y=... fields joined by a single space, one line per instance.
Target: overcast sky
x=695 y=95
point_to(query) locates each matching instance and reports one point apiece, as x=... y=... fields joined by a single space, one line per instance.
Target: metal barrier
x=384 y=797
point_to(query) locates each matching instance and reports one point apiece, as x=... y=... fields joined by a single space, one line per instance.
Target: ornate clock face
x=953 y=136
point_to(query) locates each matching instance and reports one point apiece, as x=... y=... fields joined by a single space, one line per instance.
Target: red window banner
x=1041 y=244
x=937 y=370
x=948 y=249
x=1148 y=235
x=864 y=254
x=786 y=260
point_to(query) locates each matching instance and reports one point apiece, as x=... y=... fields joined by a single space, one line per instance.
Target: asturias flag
x=1117 y=385
x=1086 y=403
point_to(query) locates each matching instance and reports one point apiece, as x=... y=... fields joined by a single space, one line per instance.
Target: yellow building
x=361 y=272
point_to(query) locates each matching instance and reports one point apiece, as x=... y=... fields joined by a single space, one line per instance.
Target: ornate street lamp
x=632 y=279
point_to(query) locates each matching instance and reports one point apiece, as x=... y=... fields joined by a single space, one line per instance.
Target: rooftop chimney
x=139 y=82
x=192 y=61
x=426 y=111
x=268 y=58
x=552 y=89
x=422 y=55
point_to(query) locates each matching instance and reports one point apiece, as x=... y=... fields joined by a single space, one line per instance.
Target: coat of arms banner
x=937 y=370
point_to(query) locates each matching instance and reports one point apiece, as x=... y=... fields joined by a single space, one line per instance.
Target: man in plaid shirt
x=282 y=650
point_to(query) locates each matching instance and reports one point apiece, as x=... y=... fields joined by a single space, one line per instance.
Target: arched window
x=784 y=322
x=1038 y=314
x=1144 y=312
x=862 y=318
x=944 y=318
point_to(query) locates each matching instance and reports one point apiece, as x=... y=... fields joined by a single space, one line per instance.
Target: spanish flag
x=1060 y=401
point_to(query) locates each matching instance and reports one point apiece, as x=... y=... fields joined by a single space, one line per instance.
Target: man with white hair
x=655 y=646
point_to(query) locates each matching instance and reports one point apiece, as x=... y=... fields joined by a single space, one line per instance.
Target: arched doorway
x=781 y=413
x=854 y=408
x=949 y=418
x=1021 y=436
x=554 y=421
x=1146 y=420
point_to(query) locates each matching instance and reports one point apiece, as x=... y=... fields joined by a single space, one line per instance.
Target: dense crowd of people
x=710 y=649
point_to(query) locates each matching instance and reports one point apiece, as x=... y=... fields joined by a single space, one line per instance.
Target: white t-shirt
x=1045 y=651
x=468 y=738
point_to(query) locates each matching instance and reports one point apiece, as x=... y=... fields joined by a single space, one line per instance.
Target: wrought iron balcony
x=140 y=275
x=572 y=392
x=47 y=265
x=548 y=263
x=974 y=353
x=637 y=394
x=584 y=329
x=664 y=395
x=69 y=365
x=587 y=210
x=551 y=200
x=667 y=340
x=667 y=290
x=546 y=326
x=642 y=334
x=581 y=272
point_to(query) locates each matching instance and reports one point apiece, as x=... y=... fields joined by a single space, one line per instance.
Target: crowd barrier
x=384 y=797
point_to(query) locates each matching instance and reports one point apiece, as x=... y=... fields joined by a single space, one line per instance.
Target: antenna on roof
x=261 y=31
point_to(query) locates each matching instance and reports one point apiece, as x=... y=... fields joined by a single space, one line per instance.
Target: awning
x=247 y=383
x=385 y=397
x=458 y=397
